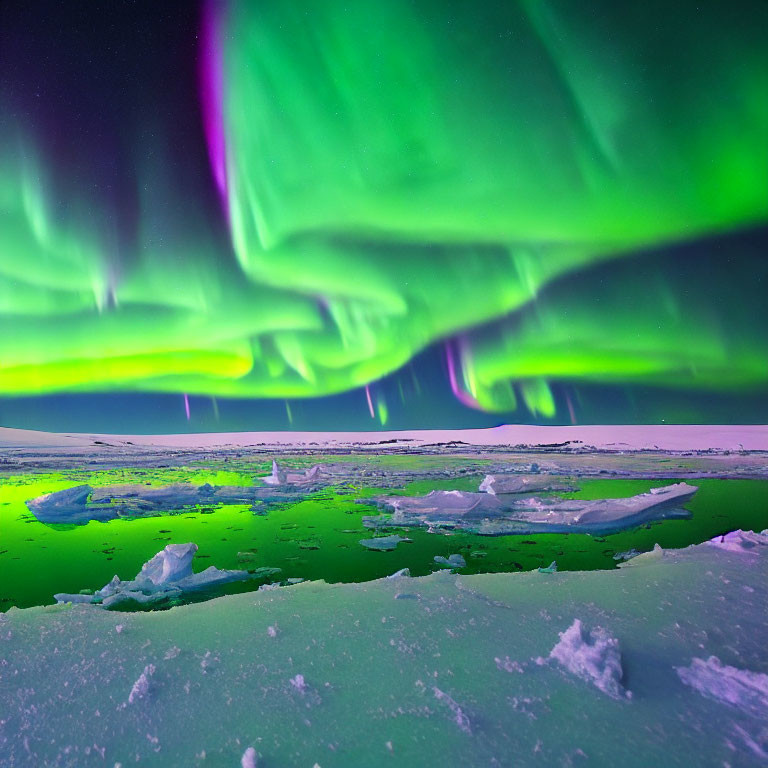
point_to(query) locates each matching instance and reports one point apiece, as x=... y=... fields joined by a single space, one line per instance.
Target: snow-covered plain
x=437 y=671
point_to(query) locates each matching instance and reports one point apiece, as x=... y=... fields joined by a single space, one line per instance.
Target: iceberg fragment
x=170 y=564
x=165 y=576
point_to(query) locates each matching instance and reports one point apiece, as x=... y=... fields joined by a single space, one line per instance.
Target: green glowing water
x=318 y=538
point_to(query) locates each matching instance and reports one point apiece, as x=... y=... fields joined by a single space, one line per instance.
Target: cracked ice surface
x=445 y=679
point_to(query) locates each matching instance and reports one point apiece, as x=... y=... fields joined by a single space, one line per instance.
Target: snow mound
x=741 y=688
x=593 y=656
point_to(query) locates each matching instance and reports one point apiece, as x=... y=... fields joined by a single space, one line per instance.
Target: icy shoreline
x=468 y=670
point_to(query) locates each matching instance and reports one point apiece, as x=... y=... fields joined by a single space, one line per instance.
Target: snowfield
x=662 y=662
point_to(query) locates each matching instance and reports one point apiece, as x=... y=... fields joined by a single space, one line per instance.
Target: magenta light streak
x=212 y=96
x=571 y=412
x=370 y=402
x=462 y=396
x=186 y=405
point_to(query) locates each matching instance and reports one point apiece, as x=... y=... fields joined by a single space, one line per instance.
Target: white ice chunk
x=249 y=760
x=593 y=656
x=170 y=564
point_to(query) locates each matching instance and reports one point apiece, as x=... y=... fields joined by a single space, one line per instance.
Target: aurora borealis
x=544 y=208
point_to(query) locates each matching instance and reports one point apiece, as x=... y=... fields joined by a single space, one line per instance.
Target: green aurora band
x=394 y=174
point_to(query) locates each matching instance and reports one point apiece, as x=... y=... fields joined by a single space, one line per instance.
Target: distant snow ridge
x=741 y=688
x=593 y=656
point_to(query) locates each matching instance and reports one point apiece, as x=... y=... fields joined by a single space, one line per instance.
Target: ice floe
x=384 y=543
x=493 y=514
x=84 y=503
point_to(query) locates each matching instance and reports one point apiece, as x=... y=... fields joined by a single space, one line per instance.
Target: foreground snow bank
x=355 y=674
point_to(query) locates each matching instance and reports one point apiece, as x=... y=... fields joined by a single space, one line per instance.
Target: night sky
x=363 y=215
